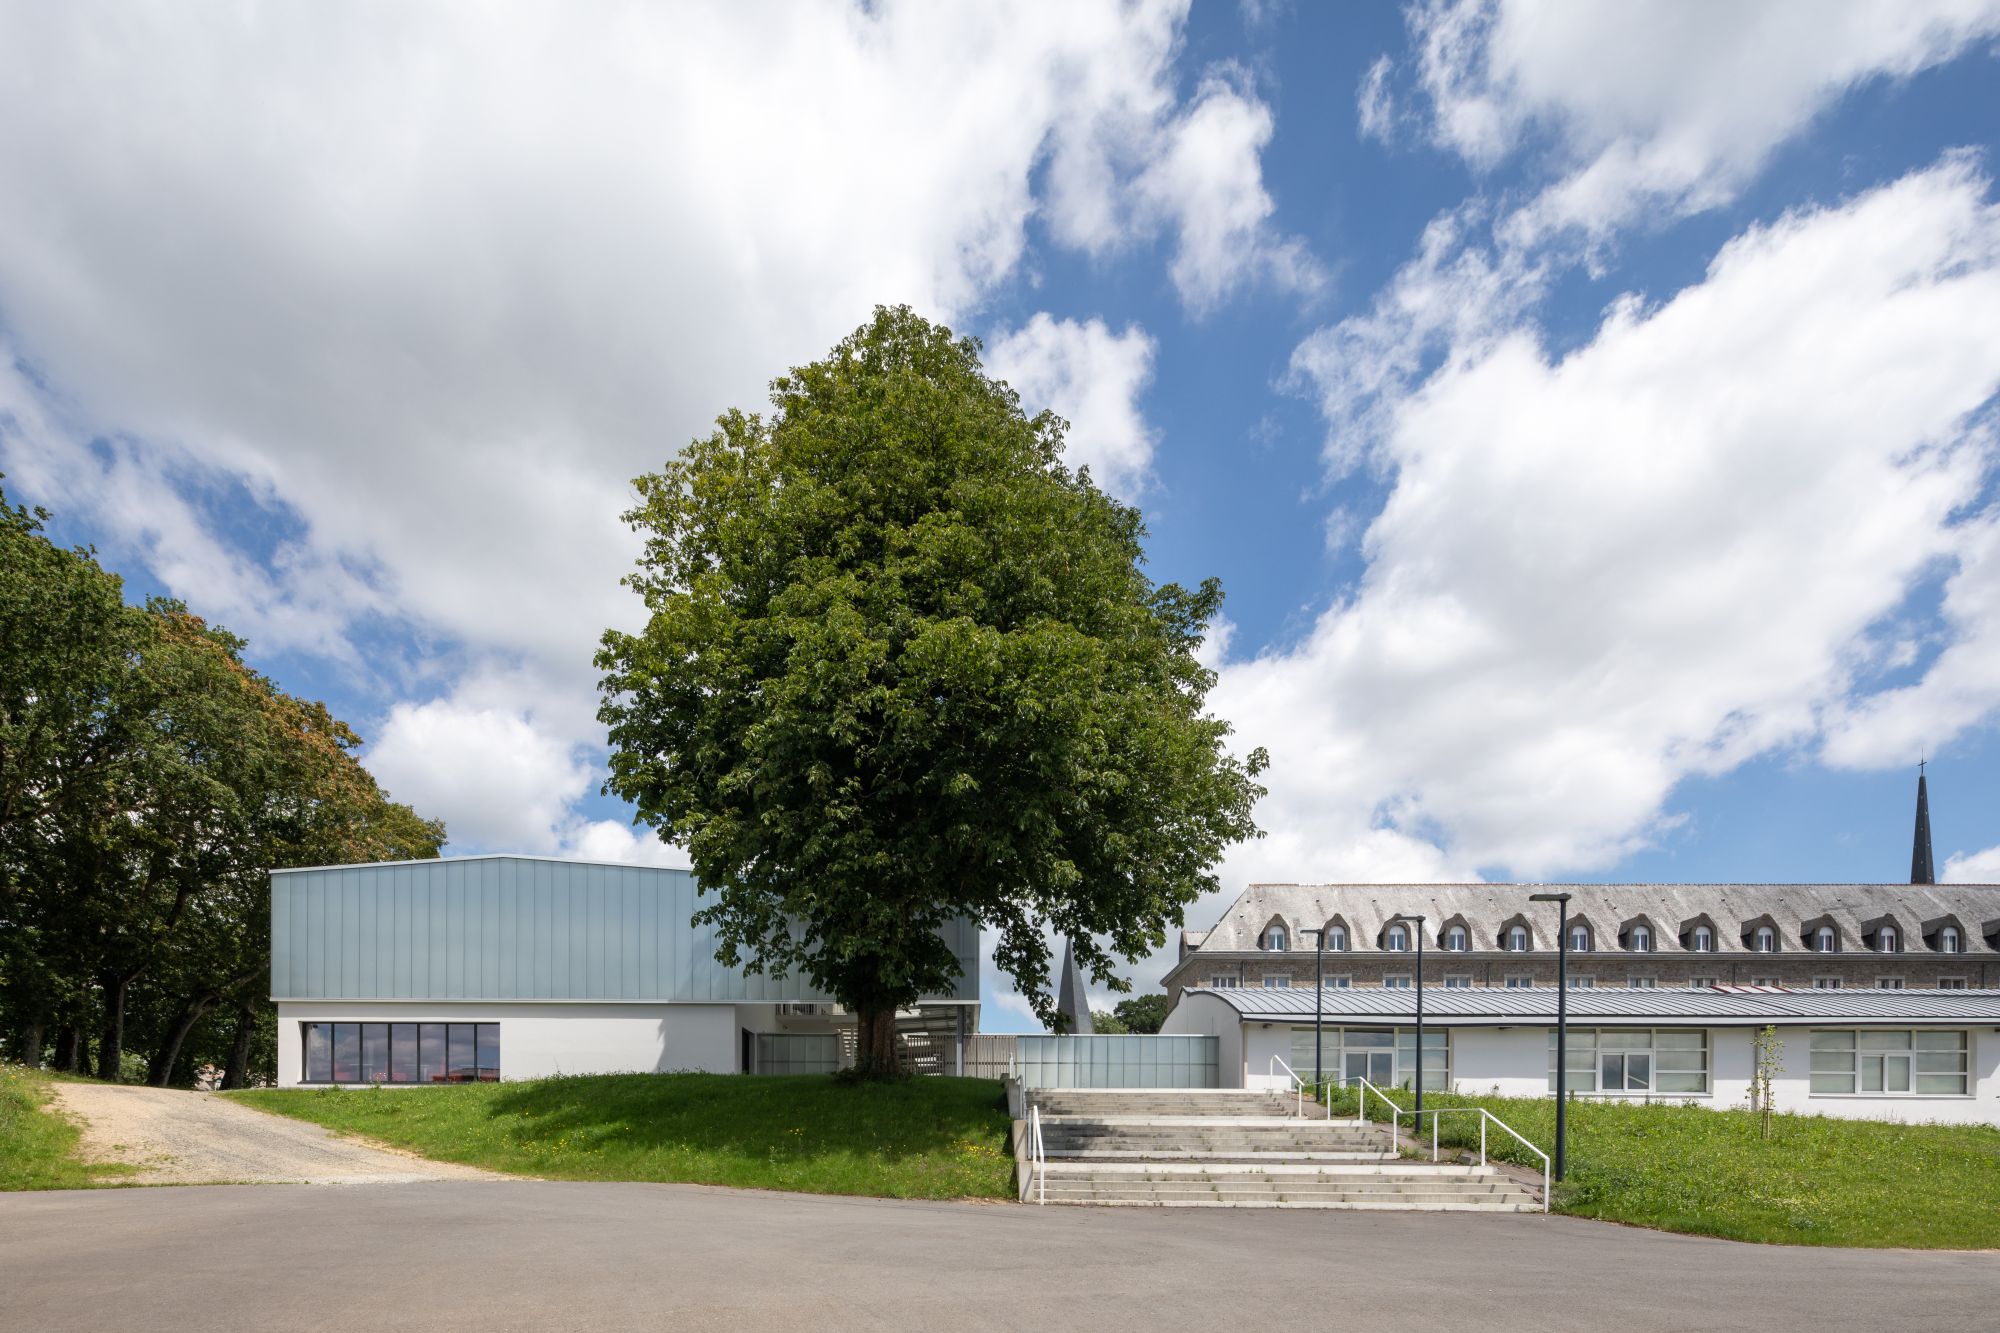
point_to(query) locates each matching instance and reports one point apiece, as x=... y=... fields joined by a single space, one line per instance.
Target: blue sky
x=1590 y=410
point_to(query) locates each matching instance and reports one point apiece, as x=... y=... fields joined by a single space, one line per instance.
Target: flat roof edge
x=479 y=856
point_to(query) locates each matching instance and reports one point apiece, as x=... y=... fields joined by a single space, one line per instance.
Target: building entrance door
x=1378 y=1067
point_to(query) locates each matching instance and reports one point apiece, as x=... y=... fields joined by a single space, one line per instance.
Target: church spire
x=1920 y=853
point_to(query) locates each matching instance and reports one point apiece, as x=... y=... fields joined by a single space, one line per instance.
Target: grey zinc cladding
x=1716 y=1007
x=1485 y=908
x=517 y=928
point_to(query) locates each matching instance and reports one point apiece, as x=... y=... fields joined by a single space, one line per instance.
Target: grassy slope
x=926 y=1138
x=1817 y=1181
x=38 y=1144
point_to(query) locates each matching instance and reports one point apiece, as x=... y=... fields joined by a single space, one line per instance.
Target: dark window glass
x=489 y=1052
x=459 y=1053
x=374 y=1052
x=319 y=1052
x=403 y=1053
x=346 y=1052
x=430 y=1058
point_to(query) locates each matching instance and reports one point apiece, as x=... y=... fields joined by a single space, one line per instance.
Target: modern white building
x=491 y=967
x=1888 y=1055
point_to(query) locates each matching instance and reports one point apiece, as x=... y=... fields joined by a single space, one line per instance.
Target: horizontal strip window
x=797 y=1053
x=401 y=1052
x=1622 y=1062
x=1889 y=1064
x=1386 y=1057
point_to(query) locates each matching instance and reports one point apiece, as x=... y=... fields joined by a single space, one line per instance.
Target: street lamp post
x=1319 y=996
x=1562 y=1021
x=1418 y=921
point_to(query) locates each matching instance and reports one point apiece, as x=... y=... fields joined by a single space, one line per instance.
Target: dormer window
x=1517 y=939
x=1274 y=938
x=1457 y=940
x=1336 y=937
x=1948 y=941
x=1825 y=941
x=1397 y=940
x=1640 y=940
x=1765 y=940
x=1579 y=939
x=1885 y=940
x=1703 y=940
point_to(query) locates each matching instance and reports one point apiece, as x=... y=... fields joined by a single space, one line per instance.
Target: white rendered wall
x=1506 y=1062
x=538 y=1040
x=1207 y=1016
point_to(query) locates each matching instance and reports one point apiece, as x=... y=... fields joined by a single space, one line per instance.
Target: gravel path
x=196 y=1138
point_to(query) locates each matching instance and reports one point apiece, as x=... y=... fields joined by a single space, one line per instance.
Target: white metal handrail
x=1396 y=1113
x=1036 y=1155
x=1298 y=1085
x=1484 y=1117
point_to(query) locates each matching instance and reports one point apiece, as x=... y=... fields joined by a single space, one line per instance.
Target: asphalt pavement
x=549 y=1255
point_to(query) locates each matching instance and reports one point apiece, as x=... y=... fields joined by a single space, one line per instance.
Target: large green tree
x=903 y=665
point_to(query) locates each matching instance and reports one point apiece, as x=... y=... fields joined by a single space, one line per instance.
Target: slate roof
x=1607 y=908
x=1716 y=1006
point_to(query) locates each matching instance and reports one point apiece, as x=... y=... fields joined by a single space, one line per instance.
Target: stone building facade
x=1799 y=936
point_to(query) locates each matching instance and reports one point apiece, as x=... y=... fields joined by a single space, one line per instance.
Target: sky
x=1590 y=410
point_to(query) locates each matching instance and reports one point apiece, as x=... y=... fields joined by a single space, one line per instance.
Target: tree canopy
x=149 y=781
x=903 y=665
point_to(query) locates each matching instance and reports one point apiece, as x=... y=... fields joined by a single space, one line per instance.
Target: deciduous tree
x=903 y=665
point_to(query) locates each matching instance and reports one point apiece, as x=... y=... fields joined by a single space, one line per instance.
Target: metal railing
x=1396 y=1113
x=1298 y=1085
x=1036 y=1155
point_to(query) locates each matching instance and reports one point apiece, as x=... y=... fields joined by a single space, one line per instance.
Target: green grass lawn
x=38 y=1144
x=923 y=1138
x=1816 y=1181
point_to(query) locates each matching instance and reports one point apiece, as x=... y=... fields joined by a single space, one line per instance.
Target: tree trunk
x=875 y=1044
x=238 y=1073
x=111 y=1045
x=69 y=1049
x=31 y=1039
x=162 y=1067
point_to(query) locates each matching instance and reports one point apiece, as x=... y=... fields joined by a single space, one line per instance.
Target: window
x=1225 y=983
x=1888 y=983
x=1517 y=939
x=1336 y=937
x=797 y=1053
x=1386 y=1057
x=1339 y=983
x=1885 y=940
x=1640 y=940
x=1893 y=1063
x=1948 y=940
x=401 y=1052
x=1274 y=938
x=1703 y=940
x=1641 y=983
x=1664 y=1061
x=1459 y=981
x=1277 y=983
x=1579 y=940
x=1583 y=983
x=1765 y=940
x=1397 y=940
x=1457 y=940
x=1765 y=981
x=1826 y=983
x=1397 y=981
x=1951 y=983
x=1825 y=940
x=1520 y=983
x=1700 y=983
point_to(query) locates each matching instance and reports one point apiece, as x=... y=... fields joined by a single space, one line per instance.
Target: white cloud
x=1658 y=556
x=1209 y=182
x=1658 y=103
x=1091 y=377
x=1982 y=867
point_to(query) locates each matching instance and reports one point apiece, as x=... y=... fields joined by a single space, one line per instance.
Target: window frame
x=1762 y=936
x=1517 y=981
x=1275 y=981
x=1624 y=1048
x=1859 y=1054
x=1826 y=983
x=1396 y=981
x=381 y=1048
x=1701 y=940
x=1458 y=981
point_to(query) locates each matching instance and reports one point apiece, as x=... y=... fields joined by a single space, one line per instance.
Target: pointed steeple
x=1072 y=1000
x=1921 y=871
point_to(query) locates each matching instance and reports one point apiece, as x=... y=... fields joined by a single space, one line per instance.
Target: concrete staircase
x=1235 y=1149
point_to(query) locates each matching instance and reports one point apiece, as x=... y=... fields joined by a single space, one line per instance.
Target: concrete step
x=1106 y=1102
